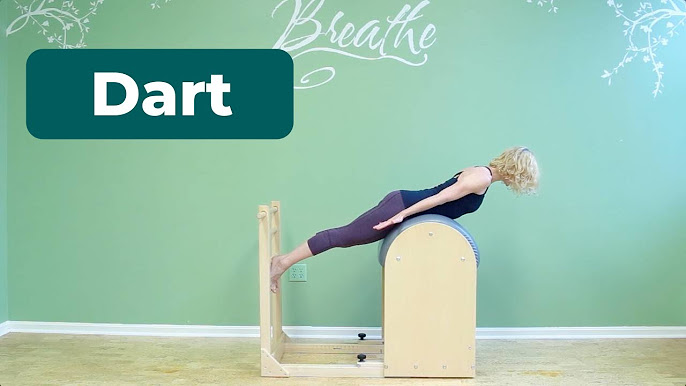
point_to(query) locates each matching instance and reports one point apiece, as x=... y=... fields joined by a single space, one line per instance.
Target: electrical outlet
x=298 y=272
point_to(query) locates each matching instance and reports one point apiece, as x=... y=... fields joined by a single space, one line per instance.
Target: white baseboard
x=133 y=329
x=613 y=332
x=619 y=332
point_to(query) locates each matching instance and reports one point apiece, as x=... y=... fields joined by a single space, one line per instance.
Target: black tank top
x=452 y=209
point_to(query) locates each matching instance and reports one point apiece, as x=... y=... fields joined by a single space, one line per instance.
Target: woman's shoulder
x=477 y=177
x=477 y=171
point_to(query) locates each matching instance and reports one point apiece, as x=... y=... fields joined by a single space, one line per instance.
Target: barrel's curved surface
x=383 y=250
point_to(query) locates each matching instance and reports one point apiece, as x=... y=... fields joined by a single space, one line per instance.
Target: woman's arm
x=466 y=184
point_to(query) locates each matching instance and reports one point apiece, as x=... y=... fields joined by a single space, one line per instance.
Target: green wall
x=155 y=231
x=3 y=165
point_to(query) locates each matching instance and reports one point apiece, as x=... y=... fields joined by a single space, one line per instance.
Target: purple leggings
x=360 y=230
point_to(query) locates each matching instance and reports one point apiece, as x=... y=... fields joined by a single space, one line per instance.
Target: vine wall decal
x=648 y=29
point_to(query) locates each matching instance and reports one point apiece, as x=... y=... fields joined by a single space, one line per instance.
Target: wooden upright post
x=264 y=255
x=272 y=338
x=275 y=244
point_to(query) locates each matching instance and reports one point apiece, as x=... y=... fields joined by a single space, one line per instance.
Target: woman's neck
x=496 y=176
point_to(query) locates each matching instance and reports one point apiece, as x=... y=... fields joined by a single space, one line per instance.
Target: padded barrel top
x=422 y=219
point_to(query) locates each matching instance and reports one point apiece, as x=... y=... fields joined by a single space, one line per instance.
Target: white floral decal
x=156 y=4
x=543 y=3
x=647 y=29
x=62 y=24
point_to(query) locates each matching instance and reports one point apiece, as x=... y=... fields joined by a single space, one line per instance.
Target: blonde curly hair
x=518 y=168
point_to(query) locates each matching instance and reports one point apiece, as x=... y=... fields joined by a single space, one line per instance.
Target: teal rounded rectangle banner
x=159 y=94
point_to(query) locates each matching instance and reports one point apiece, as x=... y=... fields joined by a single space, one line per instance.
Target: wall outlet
x=298 y=272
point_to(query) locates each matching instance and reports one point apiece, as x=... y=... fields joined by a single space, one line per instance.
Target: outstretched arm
x=465 y=185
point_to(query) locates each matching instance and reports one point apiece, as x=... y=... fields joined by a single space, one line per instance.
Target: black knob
x=361 y=357
x=362 y=335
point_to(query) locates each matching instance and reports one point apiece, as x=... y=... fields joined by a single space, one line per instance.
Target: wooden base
x=272 y=365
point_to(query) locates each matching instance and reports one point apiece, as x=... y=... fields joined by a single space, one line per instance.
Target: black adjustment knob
x=362 y=335
x=361 y=357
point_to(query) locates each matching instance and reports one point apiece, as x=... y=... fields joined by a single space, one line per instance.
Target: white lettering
x=190 y=90
x=303 y=18
x=168 y=99
x=217 y=88
x=100 y=81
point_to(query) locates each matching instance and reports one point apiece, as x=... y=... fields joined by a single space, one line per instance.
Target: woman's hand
x=397 y=219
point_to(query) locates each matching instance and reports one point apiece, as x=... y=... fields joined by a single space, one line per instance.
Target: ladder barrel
x=429 y=298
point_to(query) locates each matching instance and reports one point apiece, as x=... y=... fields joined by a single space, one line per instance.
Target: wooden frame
x=417 y=345
x=274 y=342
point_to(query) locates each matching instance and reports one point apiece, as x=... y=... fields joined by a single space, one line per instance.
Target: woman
x=463 y=193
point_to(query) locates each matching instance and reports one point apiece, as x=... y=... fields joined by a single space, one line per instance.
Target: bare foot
x=276 y=269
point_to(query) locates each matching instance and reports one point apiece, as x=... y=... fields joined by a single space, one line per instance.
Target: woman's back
x=453 y=209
